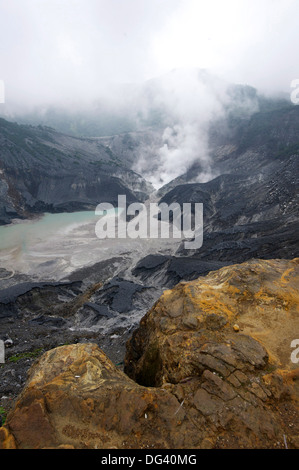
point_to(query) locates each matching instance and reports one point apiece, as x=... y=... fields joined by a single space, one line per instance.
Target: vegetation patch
x=26 y=355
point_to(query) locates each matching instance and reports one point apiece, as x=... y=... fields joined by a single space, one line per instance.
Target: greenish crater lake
x=19 y=234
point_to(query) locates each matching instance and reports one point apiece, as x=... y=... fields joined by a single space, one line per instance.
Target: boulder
x=222 y=343
x=76 y=397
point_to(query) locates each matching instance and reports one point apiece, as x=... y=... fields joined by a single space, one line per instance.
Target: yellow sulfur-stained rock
x=7 y=440
x=192 y=381
x=75 y=397
x=259 y=300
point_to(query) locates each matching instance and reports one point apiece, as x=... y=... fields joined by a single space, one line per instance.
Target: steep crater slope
x=250 y=208
x=42 y=170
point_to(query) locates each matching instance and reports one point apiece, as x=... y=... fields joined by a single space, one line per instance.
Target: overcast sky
x=51 y=49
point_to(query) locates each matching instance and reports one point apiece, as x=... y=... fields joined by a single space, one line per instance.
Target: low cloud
x=93 y=56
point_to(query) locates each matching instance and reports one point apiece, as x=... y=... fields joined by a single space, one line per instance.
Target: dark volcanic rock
x=150 y=266
x=55 y=322
x=169 y=270
x=118 y=299
x=118 y=294
x=10 y=294
x=251 y=209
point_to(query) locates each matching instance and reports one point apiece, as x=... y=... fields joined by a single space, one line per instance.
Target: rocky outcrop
x=222 y=345
x=77 y=398
x=209 y=367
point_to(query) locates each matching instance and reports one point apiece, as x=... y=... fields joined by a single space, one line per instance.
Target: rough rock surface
x=76 y=397
x=211 y=368
x=222 y=344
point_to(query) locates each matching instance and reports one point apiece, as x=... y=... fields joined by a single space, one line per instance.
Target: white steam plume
x=192 y=98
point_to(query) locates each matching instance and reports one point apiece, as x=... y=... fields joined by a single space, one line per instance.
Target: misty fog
x=126 y=60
